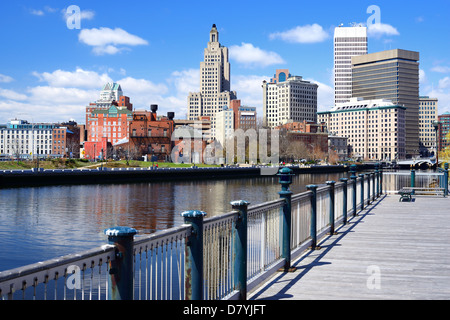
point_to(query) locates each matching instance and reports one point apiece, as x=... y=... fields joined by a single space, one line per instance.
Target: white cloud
x=141 y=86
x=422 y=77
x=302 y=34
x=441 y=92
x=57 y=95
x=325 y=96
x=249 y=90
x=5 y=78
x=84 y=14
x=36 y=12
x=185 y=81
x=441 y=69
x=444 y=83
x=12 y=95
x=79 y=78
x=379 y=29
x=106 y=40
x=252 y=56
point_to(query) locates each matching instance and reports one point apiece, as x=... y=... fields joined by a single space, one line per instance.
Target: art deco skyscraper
x=348 y=42
x=215 y=94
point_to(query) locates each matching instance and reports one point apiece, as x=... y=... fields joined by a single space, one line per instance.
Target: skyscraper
x=348 y=42
x=215 y=94
x=288 y=97
x=392 y=75
x=110 y=92
x=428 y=108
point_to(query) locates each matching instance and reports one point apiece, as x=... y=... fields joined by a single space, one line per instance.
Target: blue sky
x=49 y=72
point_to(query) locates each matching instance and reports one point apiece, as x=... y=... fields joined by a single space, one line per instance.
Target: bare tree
x=298 y=150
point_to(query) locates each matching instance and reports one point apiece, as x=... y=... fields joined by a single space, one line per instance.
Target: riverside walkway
x=390 y=250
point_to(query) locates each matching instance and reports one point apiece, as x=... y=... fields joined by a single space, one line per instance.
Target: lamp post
x=285 y=180
x=436 y=128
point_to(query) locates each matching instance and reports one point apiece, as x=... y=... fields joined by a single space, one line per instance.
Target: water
x=37 y=224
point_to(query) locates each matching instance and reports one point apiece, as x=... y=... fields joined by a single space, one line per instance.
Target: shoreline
x=41 y=177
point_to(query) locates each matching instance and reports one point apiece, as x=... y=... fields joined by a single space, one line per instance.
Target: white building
x=375 y=128
x=348 y=42
x=20 y=139
x=215 y=94
x=109 y=93
x=224 y=125
x=288 y=97
x=428 y=114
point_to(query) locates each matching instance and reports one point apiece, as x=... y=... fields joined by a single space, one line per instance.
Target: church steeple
x=213 y=34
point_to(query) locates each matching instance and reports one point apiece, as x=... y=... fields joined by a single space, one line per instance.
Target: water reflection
x=41 y=223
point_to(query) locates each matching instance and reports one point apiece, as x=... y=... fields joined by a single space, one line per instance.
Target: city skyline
x=50 y=72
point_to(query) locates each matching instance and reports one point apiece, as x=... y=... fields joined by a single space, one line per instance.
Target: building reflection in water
x=41 y=223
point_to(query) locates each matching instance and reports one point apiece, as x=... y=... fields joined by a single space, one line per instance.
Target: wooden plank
x=404 y=245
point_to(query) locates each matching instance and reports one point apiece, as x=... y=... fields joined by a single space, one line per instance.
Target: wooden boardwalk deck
x=391 y=250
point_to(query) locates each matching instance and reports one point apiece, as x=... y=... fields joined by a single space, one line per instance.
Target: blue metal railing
x=221 y=257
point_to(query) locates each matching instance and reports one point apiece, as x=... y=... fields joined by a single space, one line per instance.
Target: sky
x=54 y=61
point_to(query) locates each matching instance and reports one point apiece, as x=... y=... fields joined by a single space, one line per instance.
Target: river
x=41 y=223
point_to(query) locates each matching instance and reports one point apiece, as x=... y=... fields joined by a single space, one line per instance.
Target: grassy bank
x=78 y=163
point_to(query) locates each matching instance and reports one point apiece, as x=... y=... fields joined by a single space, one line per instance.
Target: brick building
x=105 y=127
x=304 y=126
x=150 y=135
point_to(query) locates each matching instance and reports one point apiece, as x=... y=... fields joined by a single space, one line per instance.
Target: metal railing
x=221 y=257
x=394 y=181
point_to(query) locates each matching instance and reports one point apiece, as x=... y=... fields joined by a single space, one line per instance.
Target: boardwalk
x=391 y=250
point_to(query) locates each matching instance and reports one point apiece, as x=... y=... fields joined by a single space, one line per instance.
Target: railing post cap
x=361 y=174
x=120 y=231
x=238 y=203
x=330 y=182
x=311 y=186
x=343 y=179
x=193 y=214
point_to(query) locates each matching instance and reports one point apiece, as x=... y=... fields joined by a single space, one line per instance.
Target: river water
x=41 y=223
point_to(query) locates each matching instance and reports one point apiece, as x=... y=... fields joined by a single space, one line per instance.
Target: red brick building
x=150 y=135
x=304 y=126
x=123 y=101
x=105 y=127
x=66 y=140
x=313 y=135
x=244 y=117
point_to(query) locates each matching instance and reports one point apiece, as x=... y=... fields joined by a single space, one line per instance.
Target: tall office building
x=348 y=42
x=215 y=94
x=392 y=75
x=375 y=129
x=288 y=97
x=427 y=116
